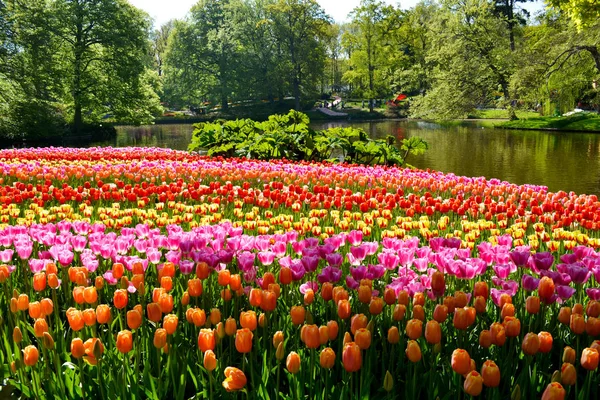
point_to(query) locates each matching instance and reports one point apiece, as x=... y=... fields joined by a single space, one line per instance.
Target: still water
x=562 y=161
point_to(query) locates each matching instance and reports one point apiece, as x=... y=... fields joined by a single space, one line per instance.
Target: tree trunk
x=224 y=104
x=296 y=94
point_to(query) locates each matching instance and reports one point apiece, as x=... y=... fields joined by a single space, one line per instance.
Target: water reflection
x=561 y=161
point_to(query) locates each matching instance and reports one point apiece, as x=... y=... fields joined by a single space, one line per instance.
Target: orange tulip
x=461 y=361
x=414 y=328
x=568 y=374
x=243 y=340
x=206 y=340
x=124 y=341
x=17 y=335
x=234 y=379
x=47 y=306
x=332 y=327
x=35 y=309
x=532 y=304
x=134 y=319
x=77 y=349
x=418 y=312
x=545 y=342
x=498 y=334
x=154 y=312
x=120 y=298
x=30 y=355
x=327 y=358
x=554 y=391
x=351 y=357
x=530 y=344
x=481 y=289
x=292 y=362
x=363 y=338
x=277 y=338
x=230 y=326
x=577 y=309
x=546 y=288
x=223 y=277
x=198 y=317
x=323 y=334
x=285 y=276
x=564 y=315
x=399 y=312
x=413 y=351
x=160 y=338
x=403 y=298
x=593 y=309
x=440 y=313
x=490 y=374
x=23 y=302
x=89 y=316
x=202 y=270
x=343 y=309
x=508 y=310
x=215 y=316
x=248 y=320
x=165 y=302
x=569 y=355
x=358 y=321
x=592 y=326
x=170 y=322
x=103 y=314
x=75 y=319
x=473 y=383
x=433 y=332
x=194 y=287
x=589 y=359
x=364 y=294
x=512 y=326
x=376 y=306
x=460 y=299
x=90 y=295
x=309 y=297
x=210 y=360
x=438 y=283
x=389 y=296
x=298 y=314
x=39 y=281
x=577 y=324
x=327 y=291
x=450 y=304
x=93 y=350
x=255 y=297
x=461 y=319
x=485 y=339
x=393 y=335
x=480 y=304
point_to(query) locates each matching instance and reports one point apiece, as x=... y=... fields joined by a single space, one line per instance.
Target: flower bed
x=152 y=273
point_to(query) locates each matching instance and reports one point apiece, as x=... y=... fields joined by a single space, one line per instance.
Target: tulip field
x=130 y=273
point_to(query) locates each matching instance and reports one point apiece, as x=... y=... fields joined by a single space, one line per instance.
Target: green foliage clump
x=289 y=137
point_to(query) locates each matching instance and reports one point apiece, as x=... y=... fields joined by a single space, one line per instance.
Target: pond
x=560 y=160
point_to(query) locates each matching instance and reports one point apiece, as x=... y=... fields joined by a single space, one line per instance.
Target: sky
x=162 y=11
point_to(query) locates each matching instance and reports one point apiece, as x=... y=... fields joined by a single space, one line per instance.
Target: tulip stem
x=81 y=377
x=158 y=372
x=210 y=385
x=278 y=380
x=99 y=370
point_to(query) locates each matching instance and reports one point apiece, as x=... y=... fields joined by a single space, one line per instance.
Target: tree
x=160 y=41
x=582 y=12
x=104 y=50
x=471 y=58
x=300 y=27
x=203 y=53
x=368 y=57
x=513 y=16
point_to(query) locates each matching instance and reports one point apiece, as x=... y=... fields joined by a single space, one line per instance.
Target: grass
x=575 y=122
x=500 y=114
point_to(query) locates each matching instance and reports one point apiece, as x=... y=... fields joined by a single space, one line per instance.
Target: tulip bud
x=280 y=352
x=17 y=335
x=516 y=393
x=556 y=376
x=388 y=382
x=48 y=341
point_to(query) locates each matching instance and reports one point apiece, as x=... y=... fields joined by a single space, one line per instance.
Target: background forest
x=67 y=66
